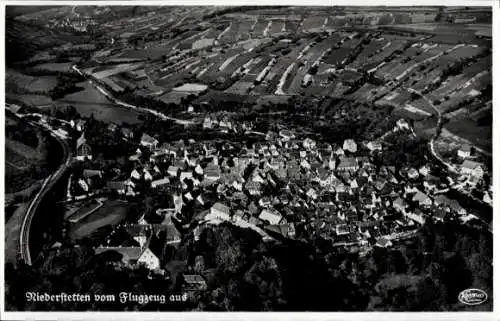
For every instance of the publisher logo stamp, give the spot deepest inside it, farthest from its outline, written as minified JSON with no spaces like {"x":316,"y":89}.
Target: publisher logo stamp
{"x":472,"y":296}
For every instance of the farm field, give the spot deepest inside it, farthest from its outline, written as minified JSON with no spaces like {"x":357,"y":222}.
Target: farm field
{"x":22,"y":159}
{"x":55,"y":66}
{"x":21,"y":83}
{"x":31,"y":100}
{"x":111,"y":213}
{"x":100,"y":73}
{"x":469,"y":130}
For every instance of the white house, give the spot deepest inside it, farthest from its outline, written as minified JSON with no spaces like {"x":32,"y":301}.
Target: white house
{"x":347,"y":164}
{"x":148,"y":141}
{"x":160,"y":182}
{"x":412,"y":173}
{"x":219,"y":211}
{"x":350,"y":145}
{"x":373,"y":146}
{"x":147,"y":175}
{"x":464,"y":151}
{"x":83,"y":150}
{"x":149,"y":259}
{"x":402,"y":124}
{"x":172,"y":170}
{"x":135,"y":174}
{"x":271,"y":216}
{"x":472,"y":168}
{"x":422,"y":199}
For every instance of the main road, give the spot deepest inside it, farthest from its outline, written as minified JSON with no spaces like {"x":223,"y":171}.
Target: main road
{"x":48,"y":183}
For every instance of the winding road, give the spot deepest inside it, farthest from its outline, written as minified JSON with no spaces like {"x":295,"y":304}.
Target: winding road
{"x":35,"y":202}
{"x":449,"y":166}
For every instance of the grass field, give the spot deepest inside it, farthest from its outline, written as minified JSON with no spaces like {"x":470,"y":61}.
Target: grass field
{"x":55,"y":66}
{"x":22,"y":159}
{"x":90,"y":101}
{"x":100,"y":73}
{"x":30,"y":100}
{"x":468,"y":129}
{"x":111,"y":213}
{"x":18,"y":82}
{"x":20,"y":166}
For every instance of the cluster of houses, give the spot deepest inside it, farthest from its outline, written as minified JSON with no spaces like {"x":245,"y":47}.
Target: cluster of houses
{"x":275,"y":185}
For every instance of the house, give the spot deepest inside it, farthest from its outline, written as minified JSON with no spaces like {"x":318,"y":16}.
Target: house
{"x":194,"y":282}
{"x":186,"y":175}
{"x":342,"y":229}
{"x":80,"y":125}
{"x":219,"y":211}
{"x":347,"y":164}
{"x":147,"y":175}
{"x":305,"y":164}
{"x":265,"y":201}
{"x":271,"y":216}
{"x":350,"y":145}
{"x":173,"y":170}
{"x":416,"y":216}
{"x":253,"y":188}
{"x":148,"y":141}
{"x":90,"y":173}
{"x":424,"y":170}
{"x":160,"y":182}
{"x":402,"y":124}
{"x":149,"y":259}
{"x":449,"y":204}
{"x":212,"y":172}
{"x":135,"y":174}
{"x":112,"y":127}
{"x":472,"y":168}
{"x":422,"y":199}
{"x":127,"y":133}
{"x":117,"y":186}
{"x":412,"y":173}
{"x":130,"y":254}
{"x":207,"y":123}
{"x":308,"y":143}
{"x":286,"y":135}
{"x":439,"y":215}
{"x":225,"y":123}
{"x":311,"y":193}
{"x":324,"y":177}
{"x":487,"y":198}
{"x":464,"y":151}
{"x":383,"y":242}
{"x":83,"y":150}
{"x":399,"y":205}
{"x":374,"y":146}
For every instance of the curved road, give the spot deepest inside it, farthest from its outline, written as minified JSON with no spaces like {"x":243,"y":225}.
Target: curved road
{"x":450,"y":167}
{"x":47,"y":185}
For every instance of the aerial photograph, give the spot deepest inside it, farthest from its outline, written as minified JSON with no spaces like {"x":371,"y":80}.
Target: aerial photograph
{"x":248,"y":158}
